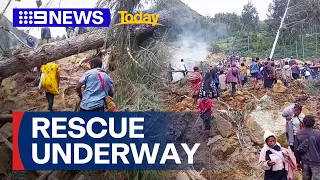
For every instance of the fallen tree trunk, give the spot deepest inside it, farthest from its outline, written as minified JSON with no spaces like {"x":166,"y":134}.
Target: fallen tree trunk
{"x":50,"y":52}
{"x":4,"y":118}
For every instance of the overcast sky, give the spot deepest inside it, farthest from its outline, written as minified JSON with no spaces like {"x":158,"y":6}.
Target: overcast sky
{"x":201,"y":6}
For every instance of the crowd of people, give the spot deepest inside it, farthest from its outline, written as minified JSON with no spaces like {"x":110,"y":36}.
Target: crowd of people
{"x":303,"y":140}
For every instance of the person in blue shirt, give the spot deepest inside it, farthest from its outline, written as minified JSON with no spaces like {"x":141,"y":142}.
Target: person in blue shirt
{"x":254,"y":71}
{"x":94,"y":96}
{"x":292,"y":60}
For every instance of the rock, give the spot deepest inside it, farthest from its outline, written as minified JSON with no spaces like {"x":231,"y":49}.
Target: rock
{"x":5,"y":154}
{"x":279,"y":87}
{"x":257,"y":122}
{"x":224,"y":127}
{"x":224,"y":148}
{"x":182,"y":176}
{"x":226,"y":94}
{"x":214,"y":139}
{"x":240,"y":99}
{"x":239,"y":93}
{"x":265,"y":101}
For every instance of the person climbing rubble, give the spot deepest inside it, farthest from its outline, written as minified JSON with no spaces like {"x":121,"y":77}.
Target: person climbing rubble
{"x":277,"y":162}
{"x":98,"y":87}
{"x":205,"y":107}
{"x":195,"y":80}
{"x":49,"y":82}
{"x":308,"y":150}
{"x":233,"y":78}
{"x":294,"y":116}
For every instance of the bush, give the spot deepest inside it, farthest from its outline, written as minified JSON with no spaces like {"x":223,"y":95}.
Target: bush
{"x":314,"y":86}
{"x":214,"y":48}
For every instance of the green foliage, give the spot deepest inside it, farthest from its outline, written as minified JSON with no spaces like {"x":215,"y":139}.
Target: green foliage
{"x":214,"y":48}
{"x":314,"y":86}
{"x":249,"y":18}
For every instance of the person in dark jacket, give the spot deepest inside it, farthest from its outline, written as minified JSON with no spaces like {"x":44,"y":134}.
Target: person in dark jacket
{"x":310,"y":159}
{"x":45,"y":34}
{"x":295,"y":70}
{"x":208,"y":86}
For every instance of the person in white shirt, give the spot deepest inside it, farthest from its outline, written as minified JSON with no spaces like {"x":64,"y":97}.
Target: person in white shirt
{"x":183,"y":68}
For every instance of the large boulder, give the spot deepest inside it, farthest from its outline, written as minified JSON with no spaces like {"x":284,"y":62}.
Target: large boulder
{"x":223,"y":148}
{"x":257,"y":122}
{"x":224,"y":127}
{"x":279,"y":87}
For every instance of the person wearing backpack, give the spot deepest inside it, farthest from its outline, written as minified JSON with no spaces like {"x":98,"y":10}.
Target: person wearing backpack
{"x":233,"y":78}
{"x":307,"y":149}
{"x":97,"y":83}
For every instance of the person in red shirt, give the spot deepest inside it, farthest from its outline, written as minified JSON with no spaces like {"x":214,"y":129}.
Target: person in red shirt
{"x":205,"y":107}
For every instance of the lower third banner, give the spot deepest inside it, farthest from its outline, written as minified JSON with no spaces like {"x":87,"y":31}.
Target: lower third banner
{"x":103,"y":141}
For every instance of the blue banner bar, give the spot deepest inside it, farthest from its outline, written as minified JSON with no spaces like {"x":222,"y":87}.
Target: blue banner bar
{"x":61,"y":17}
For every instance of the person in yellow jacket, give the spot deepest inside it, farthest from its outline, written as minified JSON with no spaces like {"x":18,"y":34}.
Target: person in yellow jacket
{"x":243,"y":74}
{"x":50,"y":82}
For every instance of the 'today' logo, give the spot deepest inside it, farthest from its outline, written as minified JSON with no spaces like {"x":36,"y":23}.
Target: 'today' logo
{"x":127,"y":18}
{"x":61,"y":17}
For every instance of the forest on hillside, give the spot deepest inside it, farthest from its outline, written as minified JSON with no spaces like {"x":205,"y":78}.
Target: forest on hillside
{"x":248,"y":36}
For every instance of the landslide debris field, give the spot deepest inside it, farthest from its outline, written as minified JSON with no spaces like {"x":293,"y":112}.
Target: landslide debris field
{"x":232,"y":152}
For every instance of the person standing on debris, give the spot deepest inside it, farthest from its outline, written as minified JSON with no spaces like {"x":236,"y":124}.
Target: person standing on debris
{"x":308,"y":150}
{"x":292,"y":61}
{"x":233,"y":78}
{"x":216,"y":80}
{"x":295,"y":70}
{"x":183,"y":68}
{"x":205,"y":107}
{"x":50,"y":82}
{"x":195,"y":80}
{"x":267,"y":77}
{"x":286,"y":74}
{"x":170,"y":69}
{"x":45,"y":35}
{"x":208,"y":86}
{"x":273,"y":159}
{"x":94,"y":96}
{"x":294,"y":117}
{"x":274,"y":72}
{"x":254,"y":70}
{"x":243,"y":74}
{"x":222,"y":80}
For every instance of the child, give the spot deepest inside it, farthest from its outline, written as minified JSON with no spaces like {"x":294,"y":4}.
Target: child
{"x":222,"y":80}
{"x":205,"y":108}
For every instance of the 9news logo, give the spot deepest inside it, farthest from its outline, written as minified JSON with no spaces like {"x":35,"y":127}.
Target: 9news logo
{"x":61,"y":17}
